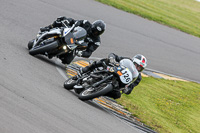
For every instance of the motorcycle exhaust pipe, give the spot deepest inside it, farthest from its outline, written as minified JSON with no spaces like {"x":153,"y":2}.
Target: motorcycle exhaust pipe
{"x":100,"y":82}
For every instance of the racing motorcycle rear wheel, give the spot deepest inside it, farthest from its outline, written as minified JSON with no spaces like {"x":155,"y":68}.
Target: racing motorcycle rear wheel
{"x":90,"y":92}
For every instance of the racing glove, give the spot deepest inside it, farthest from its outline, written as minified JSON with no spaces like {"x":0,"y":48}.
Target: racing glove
{"x":112,"y":60}
{"x":127,"y":90}
{"x":58,"y":22}
{"x":61,"y":18}
{"x":47,"y":28}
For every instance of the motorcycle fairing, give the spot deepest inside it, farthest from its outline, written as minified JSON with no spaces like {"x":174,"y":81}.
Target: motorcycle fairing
{"x":51,"y":32}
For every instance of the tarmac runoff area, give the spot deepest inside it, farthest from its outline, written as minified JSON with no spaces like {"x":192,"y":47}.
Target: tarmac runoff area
{"x":111,"y":105}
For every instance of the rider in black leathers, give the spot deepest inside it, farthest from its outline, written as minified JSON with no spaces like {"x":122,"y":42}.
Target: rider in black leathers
{"x":139,"y":61}
{"x":94,"y":31}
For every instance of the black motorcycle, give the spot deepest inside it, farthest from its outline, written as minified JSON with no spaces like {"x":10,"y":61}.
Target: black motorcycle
{"x":102,"y":80}
{"x":58,"y":41}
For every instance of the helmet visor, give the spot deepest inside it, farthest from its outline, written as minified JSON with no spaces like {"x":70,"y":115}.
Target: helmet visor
{"x":139,"y":67}
{"x":97,"y":30}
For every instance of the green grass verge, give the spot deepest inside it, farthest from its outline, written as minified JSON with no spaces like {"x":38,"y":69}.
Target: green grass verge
{"x":165,"y":105}
{"x":180,"y":14}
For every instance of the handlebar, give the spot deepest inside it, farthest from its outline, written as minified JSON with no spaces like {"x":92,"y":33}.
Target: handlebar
{"x":63,"y":22}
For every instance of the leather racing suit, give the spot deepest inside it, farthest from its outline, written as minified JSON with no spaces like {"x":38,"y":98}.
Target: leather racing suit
{"x":92,"y":41}
{"x":114,"y":94}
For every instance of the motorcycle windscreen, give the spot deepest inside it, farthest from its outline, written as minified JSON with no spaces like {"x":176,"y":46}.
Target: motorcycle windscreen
{"x":69,"y":38}
{"x":129,"y":64}
{"x":79,"y":33}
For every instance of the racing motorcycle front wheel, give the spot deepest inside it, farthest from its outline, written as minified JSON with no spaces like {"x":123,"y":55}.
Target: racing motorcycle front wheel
{"x":44,"y":48}
{"x":90,"y":92}
{"x":69,"y":84}
{"x":30,"y":44}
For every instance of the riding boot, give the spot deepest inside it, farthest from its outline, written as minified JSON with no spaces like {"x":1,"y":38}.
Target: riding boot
{"x":91,"y":67}
{"x":47,"y":28}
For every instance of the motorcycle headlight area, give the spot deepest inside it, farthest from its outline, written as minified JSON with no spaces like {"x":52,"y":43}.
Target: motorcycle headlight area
{"x":64,"y":47}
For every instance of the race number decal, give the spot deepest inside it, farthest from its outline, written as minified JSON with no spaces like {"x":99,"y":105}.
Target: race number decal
{"x":126,"y":76}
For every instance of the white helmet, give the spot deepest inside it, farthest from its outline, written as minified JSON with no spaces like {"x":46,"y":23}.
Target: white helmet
{"x":141,"y":61}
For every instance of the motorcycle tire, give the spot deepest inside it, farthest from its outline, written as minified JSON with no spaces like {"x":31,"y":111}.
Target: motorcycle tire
{"x":43,"y":49}
{"x":87,"y":94}
{"x":69,"y":84}
{"x":30,"y":44}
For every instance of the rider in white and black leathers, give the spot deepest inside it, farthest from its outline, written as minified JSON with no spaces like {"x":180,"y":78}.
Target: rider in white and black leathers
{"x":94,"y":31}
{"x":140,"y":63}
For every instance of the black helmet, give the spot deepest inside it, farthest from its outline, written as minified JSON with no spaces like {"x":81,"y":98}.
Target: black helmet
{"x":98,"y":27}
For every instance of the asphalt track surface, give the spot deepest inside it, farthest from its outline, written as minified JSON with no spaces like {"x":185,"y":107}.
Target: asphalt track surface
{"x":32,"y":97}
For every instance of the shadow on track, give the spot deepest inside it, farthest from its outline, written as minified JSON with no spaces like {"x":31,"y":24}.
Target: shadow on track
{"x":50,"y":61}
{"x":89,"y":102}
